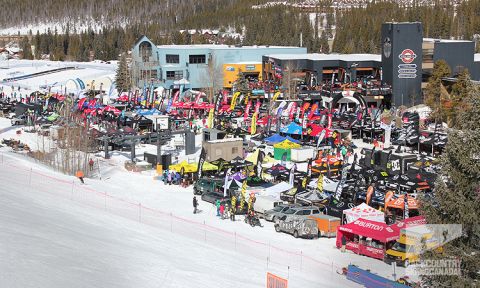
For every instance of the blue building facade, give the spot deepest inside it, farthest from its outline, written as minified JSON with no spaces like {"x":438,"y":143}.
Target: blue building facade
{"x":193,"y":66}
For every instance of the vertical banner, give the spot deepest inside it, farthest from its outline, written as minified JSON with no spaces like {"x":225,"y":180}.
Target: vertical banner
{"x":203,"y":155}
{"x":405,"y":201}
{"x":292,"y":111}
{"x":291,"y":177}
{"x":234,"y":100}
{"x":257,"y":106}
{"x":321,"y":136}
{"x":320,"y":183}
{"x":210,"y":118}
{"x":260,"y":157}
{"x":227,"y":182}
{"x":247,"y":110}
{"x":313,"y":110}
{"x":338,"y":190}
{"x":253,"y":128}
{"x":304,"y":109}
{"x":309,"y":168}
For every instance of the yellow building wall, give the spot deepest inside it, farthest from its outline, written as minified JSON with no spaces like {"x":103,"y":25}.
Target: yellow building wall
{"x":231,"y":71}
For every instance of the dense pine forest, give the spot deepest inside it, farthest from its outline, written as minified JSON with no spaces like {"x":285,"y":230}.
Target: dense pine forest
{"x":120,"y":23}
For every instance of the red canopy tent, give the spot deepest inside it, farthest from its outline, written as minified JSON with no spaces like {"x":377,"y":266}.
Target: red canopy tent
{"x":112,"y":109}
{"x":378,"y":231}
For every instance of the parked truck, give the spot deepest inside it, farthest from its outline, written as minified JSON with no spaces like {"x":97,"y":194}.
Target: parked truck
{"x":306,"y":228}
{"x":265,"y":203}
{"x":408,"y":248}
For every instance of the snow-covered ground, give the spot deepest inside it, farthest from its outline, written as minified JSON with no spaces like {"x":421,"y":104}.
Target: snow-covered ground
{"x":131,"y":229}
{"x":86,"y":71}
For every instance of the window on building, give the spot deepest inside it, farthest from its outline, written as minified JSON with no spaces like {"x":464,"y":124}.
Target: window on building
{"x":145,"y":51}
{"x":218,"y":152}
{"x":174,"y":75}
{"x":234,"y":150}
{"x":149,"y":74}
{"x":172,"y":58}
{"x":197,"y":59}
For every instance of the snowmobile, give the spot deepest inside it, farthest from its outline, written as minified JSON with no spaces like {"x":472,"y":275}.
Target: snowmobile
{"x":253,"y":220}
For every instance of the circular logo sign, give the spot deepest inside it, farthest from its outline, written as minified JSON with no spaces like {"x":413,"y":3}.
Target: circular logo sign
{"x":407,"y":56}
{"x":387,"y":47}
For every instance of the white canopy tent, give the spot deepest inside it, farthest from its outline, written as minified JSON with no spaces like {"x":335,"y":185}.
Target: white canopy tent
{"x":365,"y":212}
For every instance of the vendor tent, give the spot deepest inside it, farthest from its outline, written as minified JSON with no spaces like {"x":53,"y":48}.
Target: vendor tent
{"x":276,"y":170}
{"x":278,"y":138}
{"x":365,"y":212}
{"x":275,"y":190}
{"x":253,"y":157}
{"x":292,"y":129}
{"x":311,"y":197}
{"x":371,"y":229}
{"x":399,"y":203}
{"x":187,"y":168}
{"x":282,"y":150}
{"x":275,"y":138}
{"x":208,"y":167}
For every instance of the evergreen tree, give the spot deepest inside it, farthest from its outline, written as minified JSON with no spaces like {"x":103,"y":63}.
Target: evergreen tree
{"x":460,"y":91}
{"x":435,"y":93}
{"x":323,"y":43}
{"x":123,"y":79}
{"x":26,"y":48}
{"x":457,"y":198}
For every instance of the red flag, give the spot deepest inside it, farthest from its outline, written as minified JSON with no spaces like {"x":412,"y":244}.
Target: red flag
{"x":257,"y":107}
{"x":247,"y":109}
{"x":329,"y":125}
{"x":80,"y":103}
{"x":313,"y":110}
{"x":293,"y":109}
{"x":304,"y":108}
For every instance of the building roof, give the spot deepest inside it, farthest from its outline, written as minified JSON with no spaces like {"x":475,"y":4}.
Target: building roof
{"x":326,"y":57}
{"x":432,"y":40}
{"x":221,"y":47}
{"x":244,"y":63}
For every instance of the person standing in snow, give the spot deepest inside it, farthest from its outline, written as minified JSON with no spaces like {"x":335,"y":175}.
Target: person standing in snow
{"x":90,"y":164}
{"x":217,"y":204}
{"x":222,"y":210}
{"x":195,"y":205}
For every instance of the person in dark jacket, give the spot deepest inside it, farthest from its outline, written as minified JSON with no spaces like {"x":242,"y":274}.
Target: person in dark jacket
{"x":344,"y":243}
{"x":195,"y":205}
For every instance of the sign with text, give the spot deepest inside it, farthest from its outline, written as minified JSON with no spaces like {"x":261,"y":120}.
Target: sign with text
{"x":273,"y":281}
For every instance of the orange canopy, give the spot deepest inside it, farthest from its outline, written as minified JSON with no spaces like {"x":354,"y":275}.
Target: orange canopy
{"x":400,"y":203}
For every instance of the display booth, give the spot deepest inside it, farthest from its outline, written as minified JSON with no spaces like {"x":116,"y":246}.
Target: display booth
{"x":371,"y":238}
{"x":282,"y":151}
{"x":365,"y":212}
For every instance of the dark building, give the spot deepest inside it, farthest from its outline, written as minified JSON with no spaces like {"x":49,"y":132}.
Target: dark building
{"x":459,"y":55}
{"x":402,"y":61}
{"x":359,"y":72}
